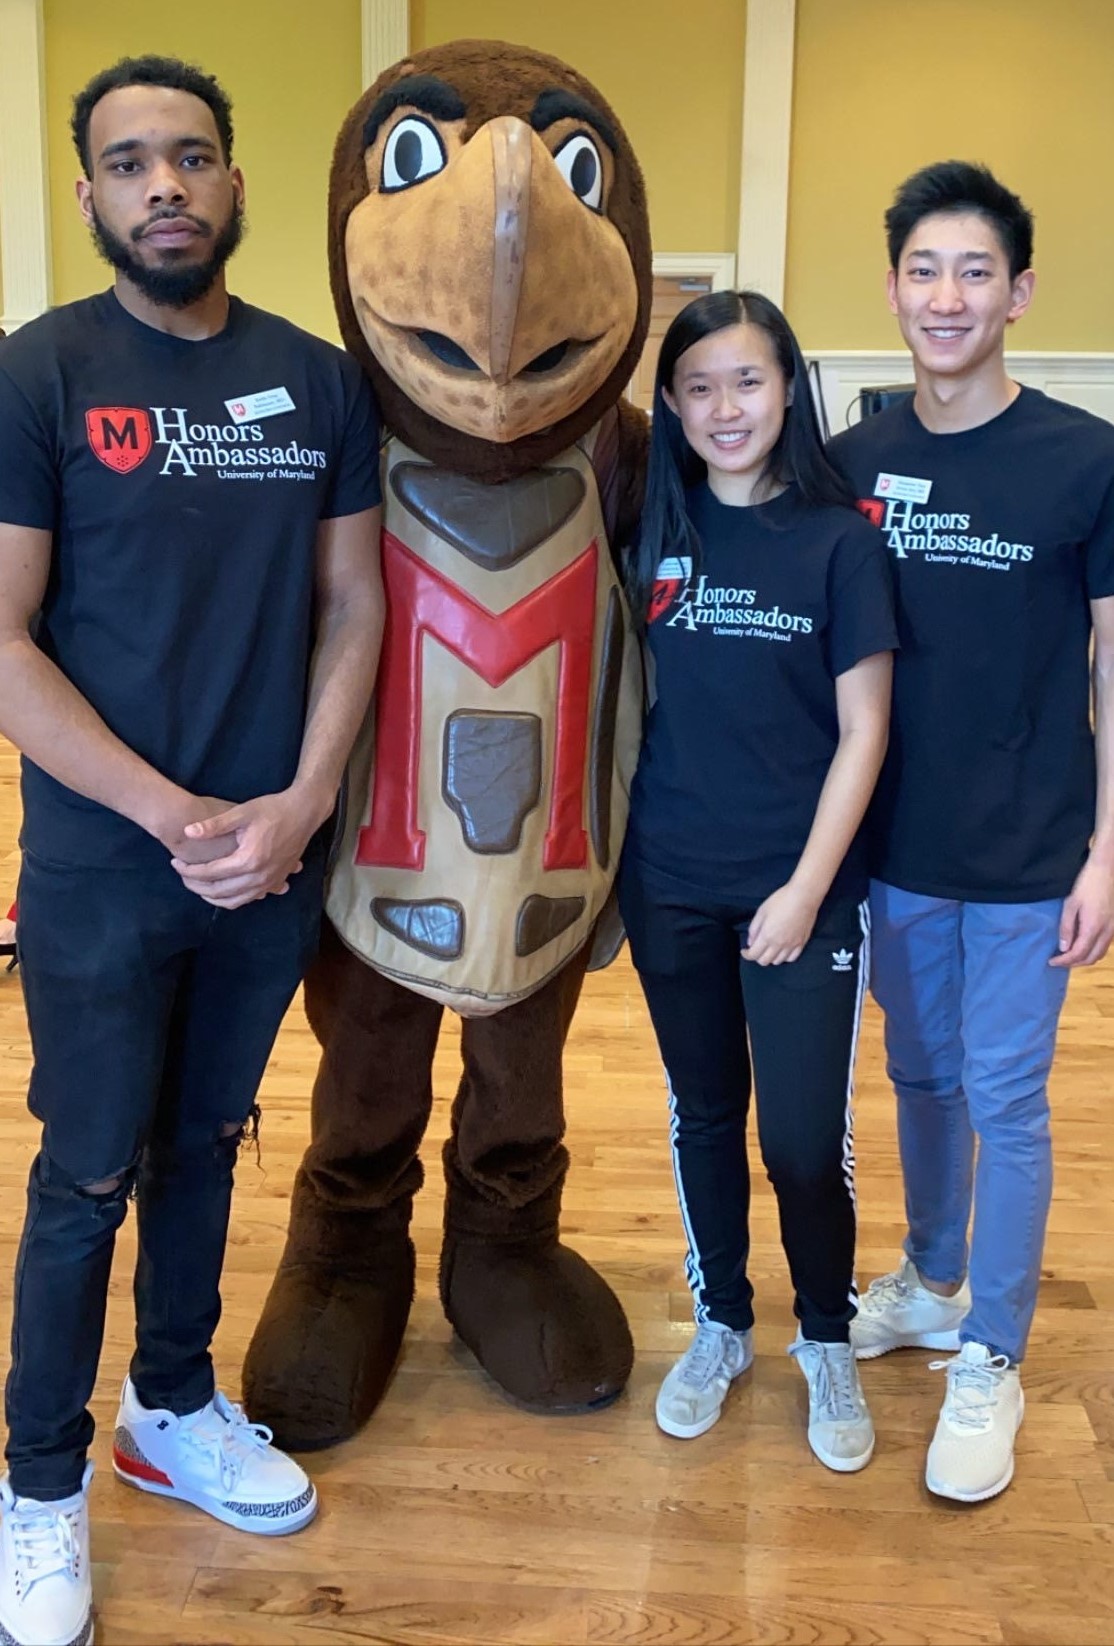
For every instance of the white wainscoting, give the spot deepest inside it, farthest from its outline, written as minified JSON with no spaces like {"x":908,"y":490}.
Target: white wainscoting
{"x":1085,"y":380}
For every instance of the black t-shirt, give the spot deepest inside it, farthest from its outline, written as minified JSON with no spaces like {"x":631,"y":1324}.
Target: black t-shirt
{"x":183,"y":482}
{"x":999,"y":536}
{"x":745,"y":655}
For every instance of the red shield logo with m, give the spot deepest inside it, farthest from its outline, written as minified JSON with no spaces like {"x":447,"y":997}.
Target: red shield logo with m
{"x":672,"y":574}
{"x":662,"y":597}
{"x":119,"y":435}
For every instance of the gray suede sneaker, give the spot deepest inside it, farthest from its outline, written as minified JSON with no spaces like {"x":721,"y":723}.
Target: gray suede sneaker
{"x":840,"y":1430}
{"x":692,"y":1396}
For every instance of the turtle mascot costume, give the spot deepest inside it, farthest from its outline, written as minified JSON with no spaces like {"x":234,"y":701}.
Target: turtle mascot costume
{"x":489,"y":250}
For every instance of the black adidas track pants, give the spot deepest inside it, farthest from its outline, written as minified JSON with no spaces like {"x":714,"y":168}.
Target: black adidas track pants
{"x":802,"y":1023}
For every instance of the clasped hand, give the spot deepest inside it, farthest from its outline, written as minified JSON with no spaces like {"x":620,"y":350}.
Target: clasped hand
{"x":238,"y":854}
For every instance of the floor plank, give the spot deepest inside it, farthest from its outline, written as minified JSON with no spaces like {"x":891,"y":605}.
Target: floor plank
{"x":456,"y":1519}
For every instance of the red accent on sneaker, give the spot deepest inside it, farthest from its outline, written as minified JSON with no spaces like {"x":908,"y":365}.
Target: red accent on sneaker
{"x":143,"y":1471}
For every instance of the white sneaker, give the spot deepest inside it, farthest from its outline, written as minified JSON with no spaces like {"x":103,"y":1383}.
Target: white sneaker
{"x":840,"y":1430}
{"x":971,"y":1455}
{"x":216,"y":1460}
{"x":692,"y":1395}
{"x":897,"y":1312}
{"x":46,"y":1589}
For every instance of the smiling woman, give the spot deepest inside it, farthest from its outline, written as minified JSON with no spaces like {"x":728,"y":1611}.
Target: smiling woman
{"x":744,"y":871}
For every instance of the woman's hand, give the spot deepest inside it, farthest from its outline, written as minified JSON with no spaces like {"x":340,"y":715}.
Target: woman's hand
{"x":781,"y":927}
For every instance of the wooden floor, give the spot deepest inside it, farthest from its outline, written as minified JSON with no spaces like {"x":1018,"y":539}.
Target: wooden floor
{"x":456,"y":1518}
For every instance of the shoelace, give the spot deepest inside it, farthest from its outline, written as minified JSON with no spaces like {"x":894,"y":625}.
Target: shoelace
{"x":886,"y":1289}
{"x":704,"y":1358}
{"x":832,"y":1375}
{"x":972,"y":1390}
{"x":234,"y":1443}
{"x":44,"y":1542}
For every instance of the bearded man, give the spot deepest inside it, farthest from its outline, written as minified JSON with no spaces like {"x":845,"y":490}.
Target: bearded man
{"x":190,"y":615}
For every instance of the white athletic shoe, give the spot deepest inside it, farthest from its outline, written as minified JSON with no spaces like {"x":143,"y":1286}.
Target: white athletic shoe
{"x":897,"y":1312}
{"x":692,"y":1395}
{"x":971,"y":1455}
{"x":840,"y":1430}
{"x":46,"y":1588}
{"x":216,"y":1460}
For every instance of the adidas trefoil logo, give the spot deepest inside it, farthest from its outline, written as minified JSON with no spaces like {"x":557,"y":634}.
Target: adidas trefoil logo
{"x":841,"y":960}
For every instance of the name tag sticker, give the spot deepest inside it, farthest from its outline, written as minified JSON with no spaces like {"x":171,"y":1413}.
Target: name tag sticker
{"x":904,"y":487}
{"x":249,"y":408}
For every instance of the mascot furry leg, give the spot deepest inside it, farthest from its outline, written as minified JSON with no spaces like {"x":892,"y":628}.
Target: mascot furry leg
{"x":541,"y":1321}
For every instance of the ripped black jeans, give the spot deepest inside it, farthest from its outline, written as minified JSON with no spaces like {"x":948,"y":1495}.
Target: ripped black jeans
{"x":152,"y":1016}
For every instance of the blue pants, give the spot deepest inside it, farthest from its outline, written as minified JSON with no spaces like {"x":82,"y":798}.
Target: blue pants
{"x":152,"y":1016}
{"x":972,"y":1008}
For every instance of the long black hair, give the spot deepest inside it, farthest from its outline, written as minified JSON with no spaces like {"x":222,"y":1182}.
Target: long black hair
{"x":797,"y":457}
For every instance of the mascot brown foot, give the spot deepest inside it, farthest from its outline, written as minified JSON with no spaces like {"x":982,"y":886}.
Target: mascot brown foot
{"x":539,"y":1319}
{"x":542,"y":1323}
{"x":332,"y":1327}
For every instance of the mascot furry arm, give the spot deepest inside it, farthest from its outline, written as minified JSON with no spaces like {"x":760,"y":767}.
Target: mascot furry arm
{"x":490,"y":260}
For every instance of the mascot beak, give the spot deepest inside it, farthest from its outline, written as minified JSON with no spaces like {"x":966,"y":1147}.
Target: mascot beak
{"x":512,"y":156}
{"x":492,"y":294}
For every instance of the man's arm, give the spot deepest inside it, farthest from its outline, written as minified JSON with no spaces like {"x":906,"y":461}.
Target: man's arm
{"x":1087,"y":922}
{"x":48,"y":719}
{"x":272,"y":831}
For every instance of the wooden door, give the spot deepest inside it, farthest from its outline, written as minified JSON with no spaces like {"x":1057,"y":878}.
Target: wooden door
{"x":671,"y":293}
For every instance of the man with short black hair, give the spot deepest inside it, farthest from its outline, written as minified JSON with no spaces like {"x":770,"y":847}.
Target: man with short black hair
{"x":993,"y":821}
{"x":189,"y":523}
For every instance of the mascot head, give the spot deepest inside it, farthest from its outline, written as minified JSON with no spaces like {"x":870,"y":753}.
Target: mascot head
{"x":489,"y":250}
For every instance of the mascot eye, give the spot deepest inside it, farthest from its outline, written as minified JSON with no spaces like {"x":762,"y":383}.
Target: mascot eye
{"x":413,"y":152}
{"x":578,"y":161}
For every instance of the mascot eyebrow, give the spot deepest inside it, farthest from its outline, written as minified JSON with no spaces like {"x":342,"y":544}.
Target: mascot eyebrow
{"x":556,"y":105}
{"x":419,"y":91}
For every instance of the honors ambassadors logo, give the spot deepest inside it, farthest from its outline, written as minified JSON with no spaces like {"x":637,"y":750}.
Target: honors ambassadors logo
{"x":679,"y":602}
{"x":122,"y":437}
{"x":119,"y":435}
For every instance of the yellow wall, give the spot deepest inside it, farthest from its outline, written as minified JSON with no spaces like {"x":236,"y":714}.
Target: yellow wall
{"x":671,"y":69}
{"x":885,"y":86}
{"x":291,"y":81}
{"x":881,"y":87}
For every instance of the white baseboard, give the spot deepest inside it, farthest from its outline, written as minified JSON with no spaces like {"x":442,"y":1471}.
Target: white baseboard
{"x":1085,"y":380}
